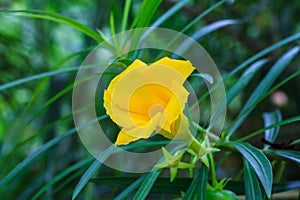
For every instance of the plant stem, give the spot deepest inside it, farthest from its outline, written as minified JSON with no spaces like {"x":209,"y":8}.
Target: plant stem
{"x":279,"y":171}
{"x":213,"y":170}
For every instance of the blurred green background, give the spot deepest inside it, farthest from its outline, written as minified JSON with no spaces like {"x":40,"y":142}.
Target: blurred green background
{"x":33,"y":46}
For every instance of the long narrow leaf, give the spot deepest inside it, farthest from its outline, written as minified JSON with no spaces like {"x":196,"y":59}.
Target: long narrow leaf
{"x":91,"y":170}
{"x":269,"y":119}
{"x":20,"y":167}
{"x":145,"y":13}
{"x":58,"y":18}
{"x":125,"y":193}
{"x":262,"y":53}
{"x":147,"y":184}
{"x":170,"y":12}
{"x":198,"y":186}
{"x":263,"y":87}
{"x":281,"y":123}
{"x":62,"y":175}
{"x":164,"y":186}
{"x":202,"y":32}
{"x":289,"y":154}
{"x":258,"y":162}
{"x":252,"y":188}
{"x":243,"y":81}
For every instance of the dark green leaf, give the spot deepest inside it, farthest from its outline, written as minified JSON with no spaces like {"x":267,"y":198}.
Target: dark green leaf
{"x":252,"y":188}
{"x":91,"y":170}
{"x":281,"y":123}
{"x":164,"y":186}
{"x":262,"y":53}
{"x":170,"y":12}
{"x":269,"y":119}
{"x":62,"y":175}
{"x":259,"y":163}
{"x":20,"y":167}
{"x":243,"y":81}
{"x":147,"y":184}
{"x":125,"y":193}
{"x":197,"y":189}
{"x":263,"y":87}
{"x":289,"y":154}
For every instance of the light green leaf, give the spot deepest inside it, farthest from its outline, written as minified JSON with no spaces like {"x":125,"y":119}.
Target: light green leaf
{"x":125,"y":15}
{"x":42,"y":14}
{"x":145,"y":13}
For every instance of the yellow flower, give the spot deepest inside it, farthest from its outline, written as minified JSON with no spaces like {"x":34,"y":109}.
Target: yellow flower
{"x":145,"y":99}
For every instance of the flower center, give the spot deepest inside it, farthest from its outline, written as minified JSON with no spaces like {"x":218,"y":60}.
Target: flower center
{"x":156,"y":108}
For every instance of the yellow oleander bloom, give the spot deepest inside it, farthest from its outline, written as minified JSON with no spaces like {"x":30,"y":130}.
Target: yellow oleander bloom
{"x":143,"y":99}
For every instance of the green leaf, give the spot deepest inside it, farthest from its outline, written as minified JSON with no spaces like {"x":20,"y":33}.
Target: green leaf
{"x":142,"y":19}
{"x":147,"y":184}
{"x":125,"y":15}
{"x":202,"y":32}
{"x":62,"y":175}
{"x":252,"y":188}
{"x":295,"y":142}
{"x":203,"y":14}
{"x":197,"y":189}
{"x":91,"y":170}
{"x":125,"y":193}
{"x":281,"y":123}
{"x":21,"y":166}
{"x":263,"y":87}
{"x":164,"y":186}
{"x":262,"y":53}
{"x":36,"y":77}
{"x":169,"y":13}
{"x":269,"y":119}
{"x":289,"y":154}
{"x":243,"y":81}
{"x":145,"y":13}
{"x":212,"y":27}
{"x":259,"y":163}
{"x":41,"y":14}
{"x":252,"y":59}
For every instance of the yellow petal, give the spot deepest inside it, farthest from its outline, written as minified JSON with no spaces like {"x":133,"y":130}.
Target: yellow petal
{"x":179,"y":129}
{"x":128,"y":135}
{"x":143,"y":99}
{"x":176,"y":105}
{"x":136,"y":64}
{"x":124,"y":138}
{"x":185,"y":68}
{"x":124,"y":118}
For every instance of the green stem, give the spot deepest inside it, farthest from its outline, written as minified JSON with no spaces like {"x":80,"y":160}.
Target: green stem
{"x":280,"y":172}
{"x":202,"y":130}
{"x":213,"y":170}
{"x":197,"y":147}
